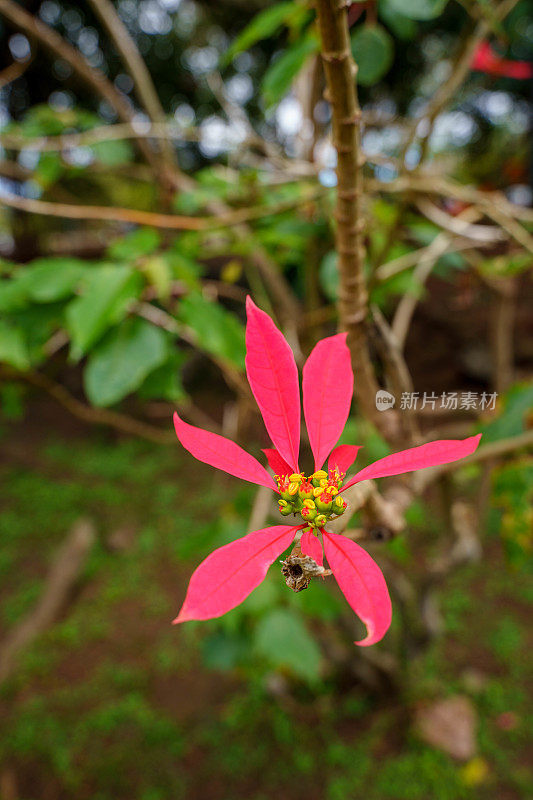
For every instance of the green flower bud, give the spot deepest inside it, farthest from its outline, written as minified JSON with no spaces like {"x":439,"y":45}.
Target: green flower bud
{"x":305,"y":490}
{"x":308,"y":511}
{"x":339,"y":505}
{"x":320,"y":520}
{"x":324,"y":501}
{"x":284,"y":508}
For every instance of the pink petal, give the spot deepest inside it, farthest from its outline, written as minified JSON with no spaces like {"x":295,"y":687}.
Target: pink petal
{"x":273,"y":379}
{"x":362,"y":583}
{"x":343,"y":457}
{"x":310,"y":546}
{"x":486,"y":60}
{"x":229,"y":574}
{"x":327,"y":391}
{"x":222,"y":453}
{"x":277,"y":464}
{"x":427,"y":455}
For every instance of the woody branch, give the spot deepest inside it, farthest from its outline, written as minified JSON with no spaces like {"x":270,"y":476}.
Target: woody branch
{"x":340,"y":71}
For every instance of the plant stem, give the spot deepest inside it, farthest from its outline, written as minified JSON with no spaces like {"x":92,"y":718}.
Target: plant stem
{"x":340,"y":71}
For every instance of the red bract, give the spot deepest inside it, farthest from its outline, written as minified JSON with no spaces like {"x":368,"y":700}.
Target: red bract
{"x":230,"y":573}
{"x":486,"y":60}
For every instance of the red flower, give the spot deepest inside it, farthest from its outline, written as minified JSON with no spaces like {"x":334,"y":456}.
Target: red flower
{"x":231,"y":572}
{"x":486,"y":60}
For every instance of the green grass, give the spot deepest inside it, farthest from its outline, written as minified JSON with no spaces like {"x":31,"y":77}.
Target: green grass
{"x":113,"y":702}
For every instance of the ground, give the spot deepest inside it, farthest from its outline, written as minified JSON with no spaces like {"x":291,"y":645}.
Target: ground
{"x":113,"y":702}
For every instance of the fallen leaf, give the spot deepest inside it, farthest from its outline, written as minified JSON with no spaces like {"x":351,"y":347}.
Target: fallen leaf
{"x":450,"y":726}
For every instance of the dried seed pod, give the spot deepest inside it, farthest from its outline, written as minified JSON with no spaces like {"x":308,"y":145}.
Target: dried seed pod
{"x":298,"y":570}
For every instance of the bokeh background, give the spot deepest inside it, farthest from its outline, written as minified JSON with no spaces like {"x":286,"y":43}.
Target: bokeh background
{"x":116,"y":119}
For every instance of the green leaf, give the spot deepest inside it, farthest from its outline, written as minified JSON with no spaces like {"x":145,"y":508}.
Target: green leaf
{"x":216,"y":330}
{"x":263,"y":25}
{"x":329,"y":275}
{"x":109,"y":291}
{"x":279,"y":76}
{"x":184,"y":268}
{"x":400,"y":25}
{"x":37,"y":323}
{"x":49,"y":169}
{"x":318,"y":602}
{"x":119,"y":365}
{"x":164,"y":383}
{"x":505,"y":265}
{"x":517,"y":404}
{"x":423,"y":231}
{"x":158,"y":273}
{"x":223,"y":650}
{"x":113,"y":153}
{"x":11,"y":400}
{"x":47,"y":280}
{"x":141,"y":242}
{"x":373,"y":51}
{"x":512,"y":491}
{"x":419,"y":9}
{"x":13,"y":348}
{"x":13,"y":295}
{"x":400,"y":284}
{"x":282,"y":639}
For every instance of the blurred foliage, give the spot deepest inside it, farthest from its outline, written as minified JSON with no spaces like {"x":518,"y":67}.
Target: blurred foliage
{"x":113,"y":679}
{"x":135,"y":311}
{"x":93,"y":302}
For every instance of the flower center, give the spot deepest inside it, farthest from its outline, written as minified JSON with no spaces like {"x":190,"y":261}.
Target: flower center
{"x":315,"y":499}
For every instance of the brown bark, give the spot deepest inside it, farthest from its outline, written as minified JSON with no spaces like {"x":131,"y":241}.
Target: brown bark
{"x":340,"y":71}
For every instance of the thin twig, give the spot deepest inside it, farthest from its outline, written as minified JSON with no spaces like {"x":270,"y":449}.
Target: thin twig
{"x":406,"y":306}
{"x":408,"y":260}
{"x":481,"y":234}
{"x":502,"y":329}
{"x":162,"y":319}
{"x":64,"y":573}
{"x":429,"y":183}
{"x":151,"y":218}
{"x":14,"y":71}
{"x":35,"y":28}
{"x":98,"y":416}
{"x":261,"y":508}
{"x":144,"y":86}
{"x":119,"y":131}
{"x":397,"y":371}
{"x":460,"y":69}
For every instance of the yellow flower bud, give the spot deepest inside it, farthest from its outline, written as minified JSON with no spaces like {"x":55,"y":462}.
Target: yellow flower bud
{"x":296,"y":477}
{"x":318,"y":476}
